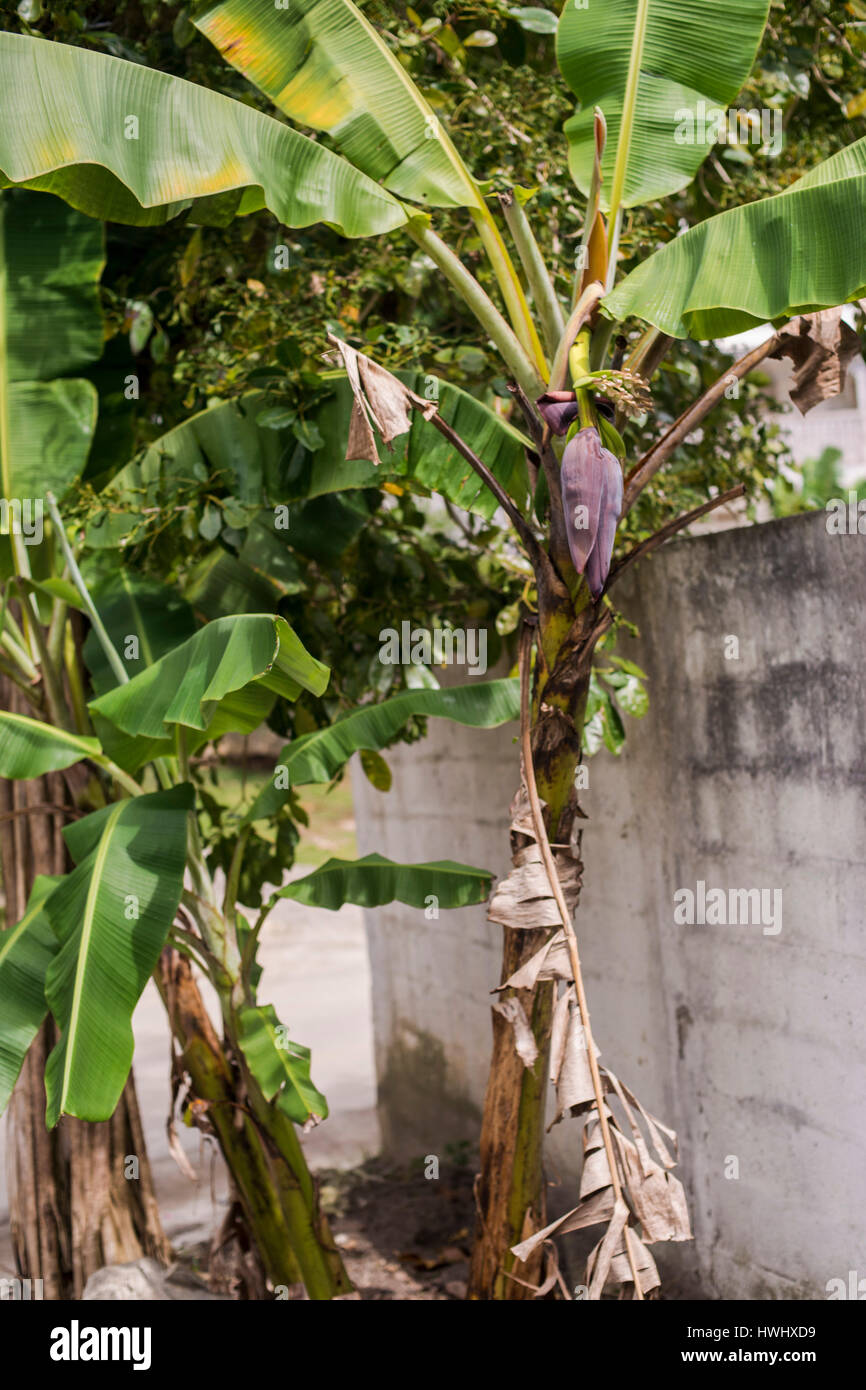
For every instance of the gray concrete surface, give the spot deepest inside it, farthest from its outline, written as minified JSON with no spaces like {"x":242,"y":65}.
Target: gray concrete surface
{"x":746,"y":773}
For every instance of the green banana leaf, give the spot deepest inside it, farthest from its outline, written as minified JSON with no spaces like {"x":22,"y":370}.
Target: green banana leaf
{"x":225,"y":442}
{"x":187,"y":685}
{"x":28,"y":748}
{"x":51,"y":259}
{"x":111,"y":916}
{"x":223,"y":583}
{"x":693,"y":51}
{"x":26,"y":951}
{"x":372,"y":881}
{"x":319,"y":756}
{"x":124,"y":143}
{"x":254,"y":460}
{"x":423,"y":456}
{"x":325,"y":66}
{"x":281,"y":1067}
{"x":133,"y":606}
{"x":793,"y":253}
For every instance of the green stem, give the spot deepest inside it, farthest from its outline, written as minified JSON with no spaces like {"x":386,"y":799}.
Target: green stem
{"x":54,"y":696}
{"x":538,"y":277}
{"x":510,"y":349}
{"x":578,"y":362}
{"x":57,"y":632}
{"x":105,"y":641}
{"x":19,"y":549}
{"x":76,"y":685}
{"x":16,"y":678}
{"x":628,"y":109}
{"x":123,"y":778}
{"x":509,"y":283}
{"x":613,"y":249}
{"x":230,"y":897}
{"x":17,"y":653}
{"x":182,"y":753}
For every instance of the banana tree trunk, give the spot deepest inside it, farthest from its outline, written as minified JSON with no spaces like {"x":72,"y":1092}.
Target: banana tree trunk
{"x":73,"y":1209}
{"x":275,"y":1189}
{"x":510,"y":1192}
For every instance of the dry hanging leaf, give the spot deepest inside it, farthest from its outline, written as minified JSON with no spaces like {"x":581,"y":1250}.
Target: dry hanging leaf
{"x":658,"y":1197}
{"x":523,"y":899}
{"x":590,"y":1213}
{"x":821,"y":347}
{"x":380,"y":399}
{"x":570,"y":1070}
{"x":551,"y":962}
{"x":177,"y":1152}
{"x":512,"y":1011}
{"x":619,"y":1271}
{"x":599,"y":1262}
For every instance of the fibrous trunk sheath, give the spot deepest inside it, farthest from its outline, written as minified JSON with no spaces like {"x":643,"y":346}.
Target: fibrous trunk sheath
{"x":510,"y":1190}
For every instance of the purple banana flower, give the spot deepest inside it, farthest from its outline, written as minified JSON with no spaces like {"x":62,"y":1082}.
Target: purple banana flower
{"x":558,"y":409}
{"x":592,"y":501}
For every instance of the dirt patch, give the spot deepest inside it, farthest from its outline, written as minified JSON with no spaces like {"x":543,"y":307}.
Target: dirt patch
{"x":403,"y":1235}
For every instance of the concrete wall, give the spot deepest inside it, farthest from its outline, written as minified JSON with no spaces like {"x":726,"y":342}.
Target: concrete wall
{"x":746,"y":773}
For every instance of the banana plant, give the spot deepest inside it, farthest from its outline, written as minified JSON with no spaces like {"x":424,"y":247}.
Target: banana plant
{"x":121,"y":717}
{"x":93,"y":130}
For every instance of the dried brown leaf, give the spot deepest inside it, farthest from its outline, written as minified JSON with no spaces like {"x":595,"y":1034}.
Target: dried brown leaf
{"x":551,"y":962}
{"x":598,"y":1208}
{"x":821,"y":347}
{"x":620,"y":1269}
{"x":657,"y":1197}
{"x":573,"y":1079}
{"x":599,"y":1261}
{"x":512,"y":1011}
{"x":380,"y":399}
{"x":523,"y":899}
{"x":177,"y":1152}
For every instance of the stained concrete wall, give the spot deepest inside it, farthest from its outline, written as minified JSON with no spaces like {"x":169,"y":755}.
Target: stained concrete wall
{"x":748,"y":772}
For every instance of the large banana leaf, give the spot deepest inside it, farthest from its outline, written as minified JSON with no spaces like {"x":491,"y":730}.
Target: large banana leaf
{"x":133,"y":606}
{"x":225,"y":443}
{"x":259,"y":463}
{"x":222,"y":584}
{"x":223,"y":659}
{"x":28,"y":748}
{"x":322,"y":63}
{"x":372,"y":881}
{"x":51,"y":259}
{"x":127,"y":144}
{"x":423,"y":455}
{"x":111,"y":916}
{"x":317,"y":757}
{"x":692,"y":51}
{"x":280,"y":1066}
{"x":26,"y":951}
{"x":793,"y":253}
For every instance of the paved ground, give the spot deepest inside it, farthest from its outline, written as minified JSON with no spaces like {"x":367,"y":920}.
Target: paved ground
{"x":317,"y":976}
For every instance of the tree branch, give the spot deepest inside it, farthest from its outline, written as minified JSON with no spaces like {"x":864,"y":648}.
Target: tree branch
{"x":665,"y":533}
{"x":521,"y":526}
{"x":661,"y":451}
